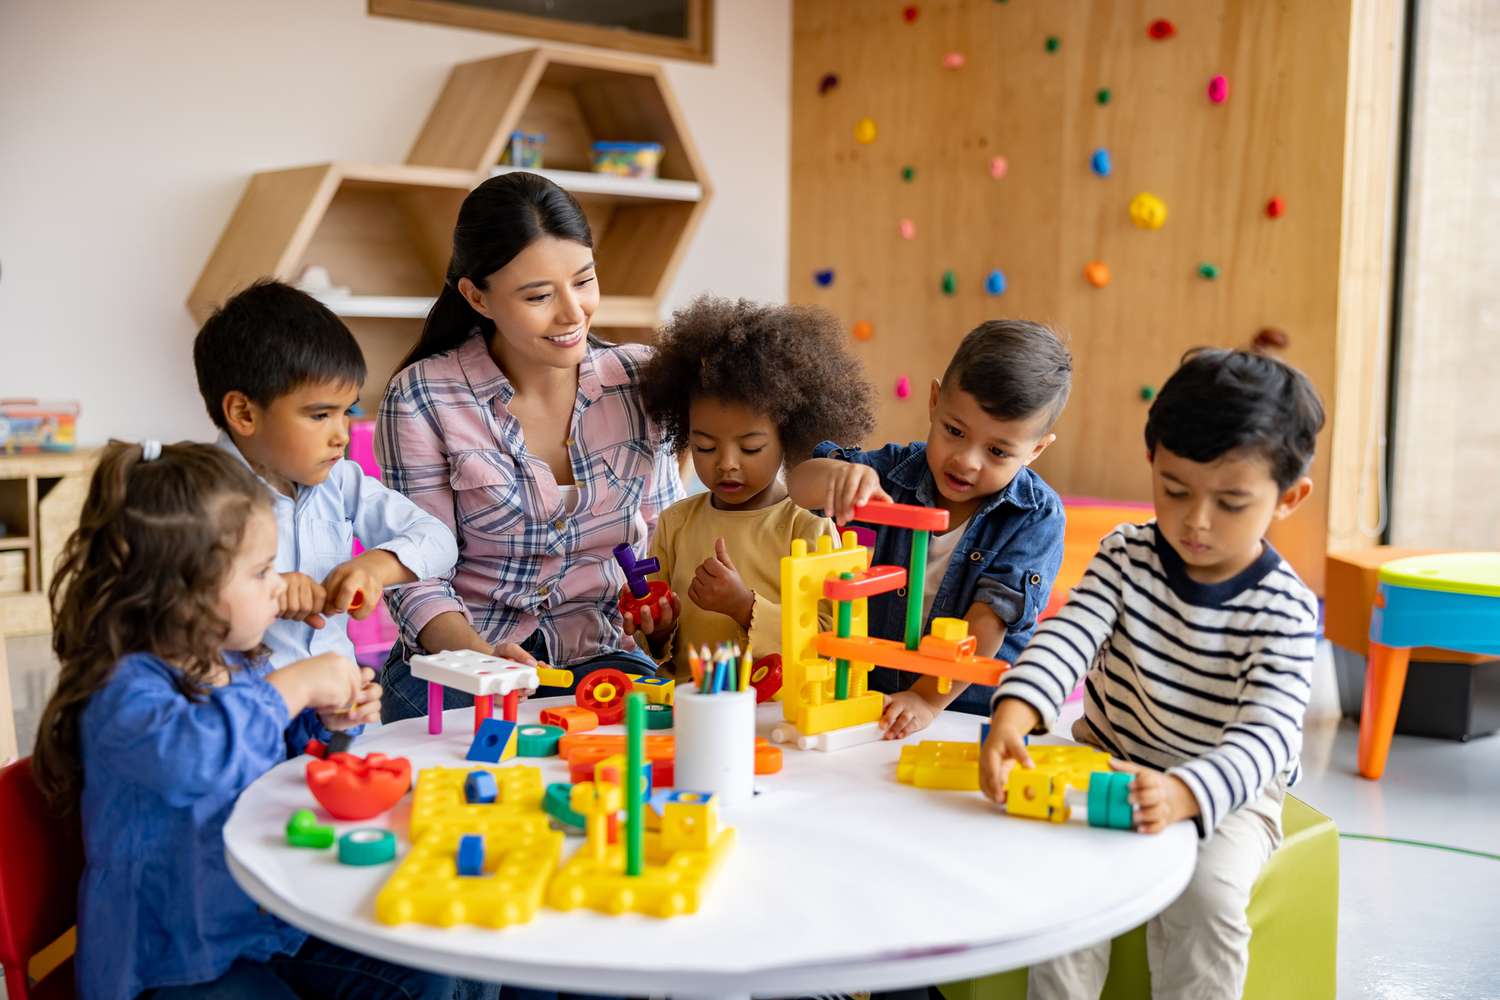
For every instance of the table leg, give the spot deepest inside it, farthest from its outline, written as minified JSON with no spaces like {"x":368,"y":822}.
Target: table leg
{"x":484,"y":707}
{"x":510,"y":706}
{"x":434,"y":709}
{"x":1385,"y":679}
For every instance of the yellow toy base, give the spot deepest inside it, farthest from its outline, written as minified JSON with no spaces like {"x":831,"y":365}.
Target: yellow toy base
{"x":519,"y":858}
{"x":439,"y":800}
{"x":671,"y":885}
{"x":942,"y":764}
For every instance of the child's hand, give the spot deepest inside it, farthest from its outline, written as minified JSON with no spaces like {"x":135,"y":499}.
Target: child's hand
{"x":302,"y":600}
{"x":657,"y":624}
{"x":906,"y":712}
{"x":850,"y":485}
{"x":366,"y":706}
{"x":1158,"y":799}
{"x":717,"y":587}
{"x":325,"y":682}
{"x":345,"y":582}
{"x":1006,"y":746}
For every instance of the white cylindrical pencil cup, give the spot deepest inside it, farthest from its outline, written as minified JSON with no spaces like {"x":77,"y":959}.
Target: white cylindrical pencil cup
{"x":715,"y":744}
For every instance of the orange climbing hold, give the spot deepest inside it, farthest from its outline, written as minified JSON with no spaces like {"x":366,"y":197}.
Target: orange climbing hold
{"x":1096,"y":273}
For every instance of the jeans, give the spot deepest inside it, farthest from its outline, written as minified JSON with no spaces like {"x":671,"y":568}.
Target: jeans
{"x":318,"y":970}
{"x":405,"y":696}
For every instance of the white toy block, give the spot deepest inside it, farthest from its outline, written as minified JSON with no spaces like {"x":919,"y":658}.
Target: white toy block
{"x":834,"y":739}
{"x":475,"y":673}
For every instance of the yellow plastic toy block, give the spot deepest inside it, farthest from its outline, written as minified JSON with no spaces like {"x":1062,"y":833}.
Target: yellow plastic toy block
{"x":941,"y":764}
{"x":554,"y":676}
{"x":1041,"y":792}
{"x":439,"y":800}
{"x":518,"y":861}
{"x":658,"y":690}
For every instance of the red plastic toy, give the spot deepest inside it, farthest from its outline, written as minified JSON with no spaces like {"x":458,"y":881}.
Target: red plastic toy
{"x":903,"y":515}
{"x":603,"y":693}
{"x":639,"y":592}
{"x":1161,"y":29}
{"x":353,"y":787}
{"x":765,"y":676}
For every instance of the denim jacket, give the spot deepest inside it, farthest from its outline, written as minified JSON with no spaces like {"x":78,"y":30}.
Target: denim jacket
{"x":1007,"y":558}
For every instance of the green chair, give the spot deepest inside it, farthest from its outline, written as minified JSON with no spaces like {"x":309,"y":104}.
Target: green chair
{"x":1294,"y":916}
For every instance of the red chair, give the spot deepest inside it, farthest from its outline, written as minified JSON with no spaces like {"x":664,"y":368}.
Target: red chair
{"x":41,"y":862}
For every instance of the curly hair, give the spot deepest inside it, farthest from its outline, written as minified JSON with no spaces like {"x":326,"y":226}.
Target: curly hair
{"x":141,"y":574}
{"x":790,"y":362}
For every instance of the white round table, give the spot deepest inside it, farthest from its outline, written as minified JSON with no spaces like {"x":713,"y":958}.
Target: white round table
{"x":842,"y":879}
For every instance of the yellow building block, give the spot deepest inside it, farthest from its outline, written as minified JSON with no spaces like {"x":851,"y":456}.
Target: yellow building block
{"x":950,"y":629}
{"x":854,"y":710}
{"x":518,"y":861}
{"x":1028,"y":792}
{"x":554,"y":676}
{"x":690,"y":822}
{"x":658,"y":690}
{"x":1041,"y":792}
{"x":940,"y":764}
{"x":439,"y":799}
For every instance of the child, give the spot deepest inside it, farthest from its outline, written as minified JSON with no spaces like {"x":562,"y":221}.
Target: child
{"x":991,"y":416}
{"x":745,"y":387}
{"x":279,"y":373}
{"x":1197,"y":641}
{"x":164,"y":713}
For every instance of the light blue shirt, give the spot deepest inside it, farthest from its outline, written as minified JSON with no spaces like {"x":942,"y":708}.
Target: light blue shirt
{"x":315,"y":532}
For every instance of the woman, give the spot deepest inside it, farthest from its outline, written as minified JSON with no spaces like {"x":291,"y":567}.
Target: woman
{"x":529,"y":440}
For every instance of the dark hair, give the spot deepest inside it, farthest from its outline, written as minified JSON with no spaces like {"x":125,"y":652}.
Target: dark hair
{"x":1220,"y":401}
{"x":269,"y":340}
{"x":1013,"y":368}
{"x":141,"y":574}
{"x":789,"y":362}
{"x":497,"y":220}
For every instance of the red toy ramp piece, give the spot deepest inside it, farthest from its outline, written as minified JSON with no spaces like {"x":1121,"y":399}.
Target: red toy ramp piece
{"x":873,"y":581}
{"x":903,"y":515}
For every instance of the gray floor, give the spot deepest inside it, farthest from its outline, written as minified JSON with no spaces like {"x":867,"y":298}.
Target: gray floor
{"x":1417,"y":921}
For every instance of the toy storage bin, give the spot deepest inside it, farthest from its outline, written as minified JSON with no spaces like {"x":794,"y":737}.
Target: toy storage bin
{"x":524,"y":149}
{"x":627,"y":159}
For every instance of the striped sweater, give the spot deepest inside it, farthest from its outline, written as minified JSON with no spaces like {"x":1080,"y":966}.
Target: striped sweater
{"x":1208,"y":682}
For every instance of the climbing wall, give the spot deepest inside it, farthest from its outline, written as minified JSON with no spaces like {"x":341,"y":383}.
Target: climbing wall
{"x":971,"y":159}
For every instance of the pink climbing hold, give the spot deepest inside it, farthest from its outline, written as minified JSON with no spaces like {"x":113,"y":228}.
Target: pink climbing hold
{"x":953,"y":60}
{"x":998,"y":167}
{"x":908,"y":229}
{"x":1218,"y":89}
{"x":903,"y":387}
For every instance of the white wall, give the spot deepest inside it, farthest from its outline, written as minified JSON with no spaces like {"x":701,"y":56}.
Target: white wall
{"x":127,"y":132}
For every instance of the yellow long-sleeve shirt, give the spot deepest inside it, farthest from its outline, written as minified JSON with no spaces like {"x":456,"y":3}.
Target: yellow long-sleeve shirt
{"x":756,"y":540}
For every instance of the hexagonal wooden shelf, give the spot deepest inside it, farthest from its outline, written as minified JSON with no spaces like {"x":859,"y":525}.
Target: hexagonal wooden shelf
{"x":385,"y":232}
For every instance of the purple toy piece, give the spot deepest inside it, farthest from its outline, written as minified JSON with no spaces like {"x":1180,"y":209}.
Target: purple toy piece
{"x":636,"y":569}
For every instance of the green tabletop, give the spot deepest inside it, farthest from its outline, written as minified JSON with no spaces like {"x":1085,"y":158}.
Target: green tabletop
{"x":1451,"y":572}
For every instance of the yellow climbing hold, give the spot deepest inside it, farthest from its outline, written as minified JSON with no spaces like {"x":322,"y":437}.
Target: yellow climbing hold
{"x":1148,"y":211}
{"x":864,"y":130}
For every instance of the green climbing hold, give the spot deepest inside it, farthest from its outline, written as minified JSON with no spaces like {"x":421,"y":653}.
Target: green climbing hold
{"x":1053,"y":43}
{"x":1148,"y":393}
{"x":950,"y":282}
{"x":908,"y":174}
{"x":1103,"y":95}
{"x":1208,"y":271}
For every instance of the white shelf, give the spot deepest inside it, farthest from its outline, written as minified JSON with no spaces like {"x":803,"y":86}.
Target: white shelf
{"x":585,"y":182}
{"x":377,"y":306}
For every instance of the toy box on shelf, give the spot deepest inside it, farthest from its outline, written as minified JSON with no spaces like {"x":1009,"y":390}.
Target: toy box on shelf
{"x":28,"y":426}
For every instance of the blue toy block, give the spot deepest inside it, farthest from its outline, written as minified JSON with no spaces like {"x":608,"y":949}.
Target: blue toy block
{"x":471,"y":854}
{"x":480,"y":788}
{"x":494,"y":741}
{"x":984,"y":732}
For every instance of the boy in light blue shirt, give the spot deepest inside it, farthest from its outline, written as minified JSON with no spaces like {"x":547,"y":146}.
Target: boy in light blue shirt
{"x":280,"y":373}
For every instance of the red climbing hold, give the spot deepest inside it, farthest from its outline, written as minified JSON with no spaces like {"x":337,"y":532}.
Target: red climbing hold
{"x":909,"y":13}
{"x":1161,"y":29}
{"x":1276,"y":208}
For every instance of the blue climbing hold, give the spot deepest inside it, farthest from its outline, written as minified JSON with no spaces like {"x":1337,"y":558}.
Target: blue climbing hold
{"x":824,"y":277}
{"x":1099,"y":162}
{"x":994,"y":283}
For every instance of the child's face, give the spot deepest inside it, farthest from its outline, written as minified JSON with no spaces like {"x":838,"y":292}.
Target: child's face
{"x":299,"y":436}
{"x":973,"y":455}
{"x":1214,"y":514}
{"x":542,"y":303}
{"x":248,"y":598}
{"x":736,"y":452}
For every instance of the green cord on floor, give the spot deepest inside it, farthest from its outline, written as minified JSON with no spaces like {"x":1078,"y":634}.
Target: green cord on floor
{"x":1420,"y":843}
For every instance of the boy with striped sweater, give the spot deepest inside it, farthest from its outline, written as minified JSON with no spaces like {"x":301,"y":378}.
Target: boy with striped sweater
{"x":1195,"y":642}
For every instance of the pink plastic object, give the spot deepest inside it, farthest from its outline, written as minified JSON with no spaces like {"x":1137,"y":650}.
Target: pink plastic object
{"x":1218,"y":89}
{"x":908,"y":229}
{"x":903,"y":387}
{"x":998,"y":167}
{"x":373,"y":637}
{"x":953,"y":60}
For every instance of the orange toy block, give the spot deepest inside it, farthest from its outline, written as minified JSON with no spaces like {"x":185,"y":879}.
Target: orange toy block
{"x":570,"y":718}
{"x":903,"y":515}
{"x":583,"y":752}
{"x":873,"y":581}
{"x":886,"y":653}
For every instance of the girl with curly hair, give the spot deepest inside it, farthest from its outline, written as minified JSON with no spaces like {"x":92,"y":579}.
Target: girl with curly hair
{"x":748,"y":389}
{"x":164,"y":712}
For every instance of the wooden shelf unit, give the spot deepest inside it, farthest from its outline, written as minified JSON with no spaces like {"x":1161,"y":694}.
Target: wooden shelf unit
{"x":41,"y":497}
{"x":385,"y":232}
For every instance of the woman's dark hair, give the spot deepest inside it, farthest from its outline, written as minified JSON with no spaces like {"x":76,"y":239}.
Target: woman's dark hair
{"x":499,"y":219}
{"x":789,"y":362}
{"x":1220,"y":401}
{"x":141,"y":574}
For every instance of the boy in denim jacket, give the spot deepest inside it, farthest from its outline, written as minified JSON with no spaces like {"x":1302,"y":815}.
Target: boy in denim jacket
{"x":991,"y":416}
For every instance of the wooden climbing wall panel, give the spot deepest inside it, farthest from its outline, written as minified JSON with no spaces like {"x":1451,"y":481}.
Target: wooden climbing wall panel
{"x":1281,"y":133}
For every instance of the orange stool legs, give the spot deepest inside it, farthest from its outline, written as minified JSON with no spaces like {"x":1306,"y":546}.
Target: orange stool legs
{"x":1385,"y":679}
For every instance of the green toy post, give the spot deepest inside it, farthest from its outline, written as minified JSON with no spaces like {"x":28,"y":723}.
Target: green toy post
{"x":635,"y":767}
{"x":916,"y":581}
{"x":846,"y":626}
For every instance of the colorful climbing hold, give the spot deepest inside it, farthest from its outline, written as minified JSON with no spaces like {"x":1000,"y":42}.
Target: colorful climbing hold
{"x":1161,"y":29}
{"x":903,"y":387}
{"x":909,"y":13}
{"x":1099,"y":163}
{"x":1096,"y":273}
{"x":953,"y":60}
{"x":994,"y":282}
{"x":999,"y":166}
{"x":908,"y":174}
{"x":1102,"y":95}
{"x":907,"y":229}
{"x":864,"y":130}
{"x":1148,"y":211}
{"x":1148,"y":393}
{"x":1218,"y":89}
{"x":1053,"y":43}
{"x":1270,"y":338}
{"x":1207,"y":270}
{"x":829,"y":81}
{"x":862,"y":330}
{"x":824,"y":278}
{"x":950,"y":283}
{"x":1276,"y":207}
